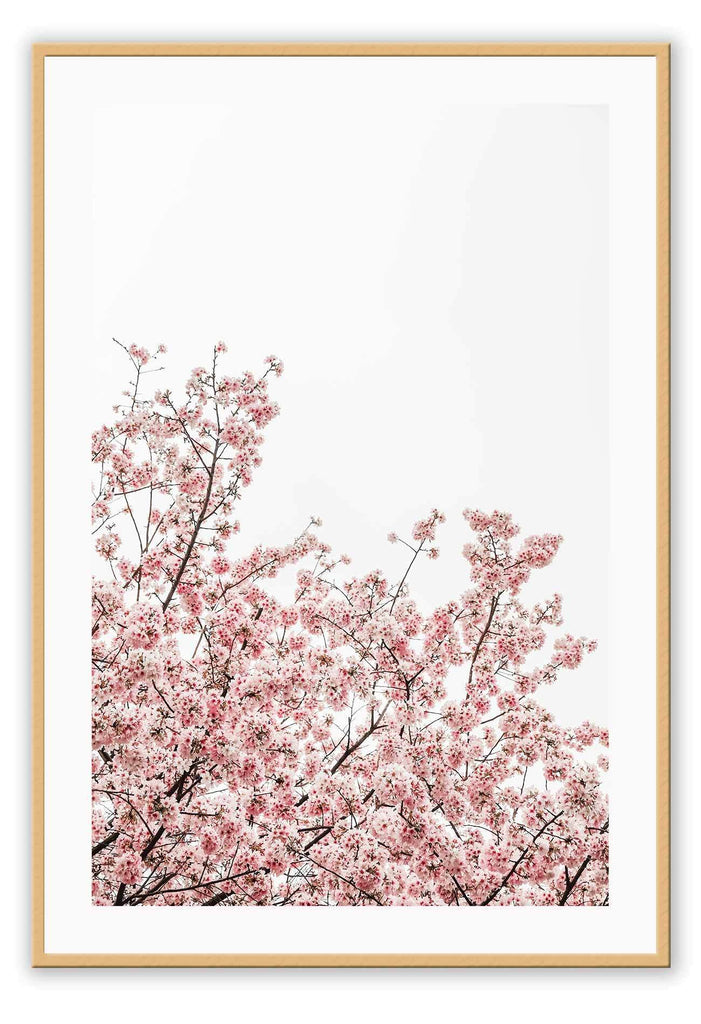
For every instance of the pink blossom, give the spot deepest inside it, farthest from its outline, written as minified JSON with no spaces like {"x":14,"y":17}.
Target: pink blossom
{"x":343,"y":745}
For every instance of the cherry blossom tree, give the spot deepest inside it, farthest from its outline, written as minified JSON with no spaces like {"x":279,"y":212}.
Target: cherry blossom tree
{"x":251,"y":750}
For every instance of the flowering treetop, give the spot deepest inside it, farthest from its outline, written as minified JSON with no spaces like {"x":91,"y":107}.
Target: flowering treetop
{"x":248,"y":750}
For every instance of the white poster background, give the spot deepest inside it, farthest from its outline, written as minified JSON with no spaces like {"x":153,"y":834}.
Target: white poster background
{"x":455,"y":259}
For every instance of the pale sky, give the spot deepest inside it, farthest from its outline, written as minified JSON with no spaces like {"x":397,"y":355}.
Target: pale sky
{"x":434,"y":275}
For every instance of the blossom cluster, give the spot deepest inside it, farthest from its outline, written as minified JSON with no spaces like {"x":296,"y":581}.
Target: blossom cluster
{"x":253,"y":751}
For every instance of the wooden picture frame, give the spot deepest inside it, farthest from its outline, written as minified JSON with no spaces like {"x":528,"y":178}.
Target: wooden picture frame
{"x":660,"y":956}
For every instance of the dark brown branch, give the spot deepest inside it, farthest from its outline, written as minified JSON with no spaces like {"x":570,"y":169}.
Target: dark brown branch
{"x":316,"y":839}
{"x":104,"y":843}
{"x":201,"y":518}
{"x":514,"y":867}
{"x":351,"y":750}
{"x":495,"y":602}
{"x":571,"y":882}
{"x":152,"y":841}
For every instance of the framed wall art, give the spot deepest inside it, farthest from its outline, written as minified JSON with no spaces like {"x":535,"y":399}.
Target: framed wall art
{"x":351,"y":489}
